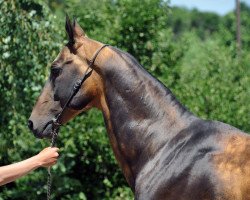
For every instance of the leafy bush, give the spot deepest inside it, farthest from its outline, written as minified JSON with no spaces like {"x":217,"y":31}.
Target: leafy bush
{"x":27,"y":45}
{"x":214,"y":84}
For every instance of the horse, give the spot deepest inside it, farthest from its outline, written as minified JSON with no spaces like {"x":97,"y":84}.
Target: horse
{"x":164,"y":150}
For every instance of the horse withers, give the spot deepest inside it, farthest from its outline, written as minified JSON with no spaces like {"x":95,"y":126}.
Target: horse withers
{"x":165,"y":152}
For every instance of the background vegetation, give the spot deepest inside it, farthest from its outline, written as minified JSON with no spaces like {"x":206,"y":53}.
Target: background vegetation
{"x":193,"y":53}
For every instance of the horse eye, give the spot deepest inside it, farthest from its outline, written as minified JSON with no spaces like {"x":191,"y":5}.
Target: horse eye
{"x":55,"y":71}
{"x":69,"y":62}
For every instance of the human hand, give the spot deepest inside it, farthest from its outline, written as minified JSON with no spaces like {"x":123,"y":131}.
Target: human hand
{"x":48,"y":156}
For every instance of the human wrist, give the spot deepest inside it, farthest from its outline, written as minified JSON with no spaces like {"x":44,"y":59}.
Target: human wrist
{"x":37,"y":161}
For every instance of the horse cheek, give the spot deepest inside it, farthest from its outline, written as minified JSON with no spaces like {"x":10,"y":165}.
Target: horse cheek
{"x":80,"y":102}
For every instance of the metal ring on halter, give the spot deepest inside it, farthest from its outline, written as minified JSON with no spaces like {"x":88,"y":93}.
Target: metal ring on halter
{"x":77,"y":84}
{"x":55,"y":122}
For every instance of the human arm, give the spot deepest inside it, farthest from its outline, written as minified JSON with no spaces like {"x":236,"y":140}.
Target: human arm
{"x":45,"y":158}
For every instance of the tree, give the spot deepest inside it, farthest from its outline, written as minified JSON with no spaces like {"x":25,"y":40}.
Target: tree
{"x":238,"y":34}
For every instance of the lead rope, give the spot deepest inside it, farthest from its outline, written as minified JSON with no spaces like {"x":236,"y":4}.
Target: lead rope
{"x":55,"y":130}
{"x":56,"y":121}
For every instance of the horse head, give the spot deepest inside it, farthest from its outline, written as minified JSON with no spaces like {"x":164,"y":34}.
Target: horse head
{"x":68,"y":67}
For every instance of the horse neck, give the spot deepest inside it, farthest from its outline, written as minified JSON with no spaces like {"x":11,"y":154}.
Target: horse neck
{"x":140,"y":113}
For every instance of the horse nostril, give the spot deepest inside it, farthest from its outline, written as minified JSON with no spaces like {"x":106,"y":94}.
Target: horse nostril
{"x":30,"y":125}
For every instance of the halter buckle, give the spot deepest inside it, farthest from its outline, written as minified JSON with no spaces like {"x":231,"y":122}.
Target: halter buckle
{"x":77,"y":84}
{"x":56,"y":123}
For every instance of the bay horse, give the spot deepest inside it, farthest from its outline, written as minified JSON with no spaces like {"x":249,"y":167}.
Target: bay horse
{"x":165,"y":151}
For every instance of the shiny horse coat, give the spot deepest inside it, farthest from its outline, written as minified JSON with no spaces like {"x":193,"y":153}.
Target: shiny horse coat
{"x":165,"y":152}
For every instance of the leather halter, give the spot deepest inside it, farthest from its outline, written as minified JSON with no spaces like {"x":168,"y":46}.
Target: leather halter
{"x":56,"y":121}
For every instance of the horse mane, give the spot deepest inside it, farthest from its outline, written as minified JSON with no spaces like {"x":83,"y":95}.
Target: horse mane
{"x":134,"y":64}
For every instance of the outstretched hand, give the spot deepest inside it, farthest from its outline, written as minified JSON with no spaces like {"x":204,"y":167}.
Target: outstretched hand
{"x":48,"y":156}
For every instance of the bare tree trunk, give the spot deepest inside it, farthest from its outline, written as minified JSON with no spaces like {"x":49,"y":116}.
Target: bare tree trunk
{"x":238,"y":33}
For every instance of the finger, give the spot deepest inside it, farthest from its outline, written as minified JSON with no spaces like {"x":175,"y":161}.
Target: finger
{"x":44,"y":149}
{"x":47,"y":149}
{"x":56,"y":155}
{"x":56,"y":149}
{"x":52,"y":163}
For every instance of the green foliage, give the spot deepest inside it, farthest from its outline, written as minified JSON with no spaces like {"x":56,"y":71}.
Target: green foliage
{"x":228,"y":27}
{"x":193,"y":53}
{"x":27,"y":45}
{"x":216,"y":85}
{"x":202,"y":23}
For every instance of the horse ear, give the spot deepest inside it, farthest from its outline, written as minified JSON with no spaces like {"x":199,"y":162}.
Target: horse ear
{"x":69,"y":30}
{"x":78,"y":31}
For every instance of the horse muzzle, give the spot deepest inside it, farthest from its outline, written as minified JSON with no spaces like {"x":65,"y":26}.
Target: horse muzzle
{"x":40,"y":133}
